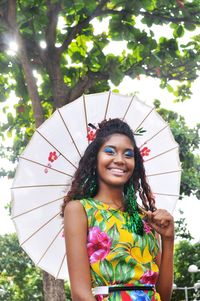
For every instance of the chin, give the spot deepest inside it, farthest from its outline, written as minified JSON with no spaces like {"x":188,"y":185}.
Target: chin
{"x":117,"y":183}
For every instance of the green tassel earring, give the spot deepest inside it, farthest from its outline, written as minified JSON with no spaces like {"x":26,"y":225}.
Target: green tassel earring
{"x":133,"y":220}
{"x":92,"y":187}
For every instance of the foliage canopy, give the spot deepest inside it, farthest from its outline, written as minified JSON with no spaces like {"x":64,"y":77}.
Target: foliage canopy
{"x":191,"y":255}
{"x":51,"y":52}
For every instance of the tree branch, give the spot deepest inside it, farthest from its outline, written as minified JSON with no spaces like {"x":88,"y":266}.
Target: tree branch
{"x":165,"y":74}
{"x":86,"y":82}
{"x":3,"y":45}
{"x":53,"y":10}
{"x":11,"y":12}
{"x":77,"y":28}
{"x":152,"y":15}
{"x":172,"y":19}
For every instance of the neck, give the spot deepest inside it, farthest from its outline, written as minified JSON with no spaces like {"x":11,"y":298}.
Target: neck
{"x":110,"y":195}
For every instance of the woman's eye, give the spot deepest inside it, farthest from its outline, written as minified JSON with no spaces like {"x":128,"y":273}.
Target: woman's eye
{"x":129,"y":153}
{"x":109,"y":150}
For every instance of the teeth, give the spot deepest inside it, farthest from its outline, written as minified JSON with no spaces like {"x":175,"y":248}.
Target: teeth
{"x":117,"y":170}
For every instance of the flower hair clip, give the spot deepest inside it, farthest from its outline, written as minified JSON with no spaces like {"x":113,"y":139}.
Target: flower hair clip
{"x":91,"y":132}
{"x":92,"y":129}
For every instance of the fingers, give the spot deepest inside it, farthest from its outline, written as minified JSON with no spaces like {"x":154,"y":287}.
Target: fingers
{"x":162,"y":222}
{"x":160,"y":217}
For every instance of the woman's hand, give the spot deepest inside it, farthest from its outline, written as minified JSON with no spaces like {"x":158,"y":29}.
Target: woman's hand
{"x":163,"y":223}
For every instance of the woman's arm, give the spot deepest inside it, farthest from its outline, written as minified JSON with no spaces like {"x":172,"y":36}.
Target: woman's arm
{"x":75,"y":230}
{"x":165,"y":262}
{"x":163,"y":223}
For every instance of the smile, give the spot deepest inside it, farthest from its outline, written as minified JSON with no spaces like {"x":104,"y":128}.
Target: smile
{"x":117,"y":171}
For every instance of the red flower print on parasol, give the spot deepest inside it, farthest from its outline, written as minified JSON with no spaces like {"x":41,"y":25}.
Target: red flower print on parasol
{"x":52,"y":156}
{"x":145,"y":151}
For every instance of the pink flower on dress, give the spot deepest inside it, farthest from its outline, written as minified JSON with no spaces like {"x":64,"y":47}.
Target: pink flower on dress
{"x":149,"y":277}
{"x":98,"y":245}
{"x":147,"y":228}
{"x":99,"y":297}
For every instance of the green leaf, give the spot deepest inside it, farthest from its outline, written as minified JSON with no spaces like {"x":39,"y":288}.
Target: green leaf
{"x":142,"y":243}
{"x":91,"y":211}
{"x":149,"y":5}
{"x":113,"y":233}
{"x":106,"y":270}
{"x":124,"y":271}
{"x":190,"y":26}
{"x":170,"y":88}
{"x":119,"y":256}
{"x":117,"y":214}
{"x":90,"y":5}
{"x":10,"y":118}
{"x":102,"y":225}
{"x":105,"y":214}
{"x":179,"y":31}
{"x":97,"y":278}
{"x":9,"y":134}
{"x":120,"y":249}
{"x":116,"y":296}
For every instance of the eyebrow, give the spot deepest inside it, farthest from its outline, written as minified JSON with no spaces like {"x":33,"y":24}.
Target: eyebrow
{"x":112,"y":146}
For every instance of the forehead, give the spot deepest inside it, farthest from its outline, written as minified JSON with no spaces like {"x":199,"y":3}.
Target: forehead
{"x":119,"y":140}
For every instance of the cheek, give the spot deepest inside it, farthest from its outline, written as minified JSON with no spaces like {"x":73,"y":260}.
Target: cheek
{"x":103,"y":159}
{"x":101,"y":162}
{"x":131,"y":166}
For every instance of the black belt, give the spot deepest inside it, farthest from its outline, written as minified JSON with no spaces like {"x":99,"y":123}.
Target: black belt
{"x":131,"y":288}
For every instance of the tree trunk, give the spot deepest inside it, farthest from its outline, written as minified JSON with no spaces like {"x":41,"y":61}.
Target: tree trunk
{"x":53,"y":289}
{"x":59,"y":89}
{"x":25,"y":62}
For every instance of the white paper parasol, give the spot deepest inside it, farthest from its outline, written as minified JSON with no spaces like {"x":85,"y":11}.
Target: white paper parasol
{"x":49,"y":161}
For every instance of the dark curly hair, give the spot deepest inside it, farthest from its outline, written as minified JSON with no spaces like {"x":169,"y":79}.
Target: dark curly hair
{"x":86,"y":173}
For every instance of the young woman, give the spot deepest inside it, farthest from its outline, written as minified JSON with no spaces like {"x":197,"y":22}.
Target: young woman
{"x":113,"y":248}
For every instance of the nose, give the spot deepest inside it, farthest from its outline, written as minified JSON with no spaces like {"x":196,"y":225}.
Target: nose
{"x":119,"y":159}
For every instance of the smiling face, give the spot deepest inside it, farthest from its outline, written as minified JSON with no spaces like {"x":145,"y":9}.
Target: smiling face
{"x":115,"y":161}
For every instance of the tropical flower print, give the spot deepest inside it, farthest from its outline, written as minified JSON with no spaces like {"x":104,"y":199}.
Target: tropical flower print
{"x":149,"y":277}
{"x":147,"y":228}
{"x":118,"y":256}
{"x":99,"y":297}
{"x":99,"y":244}
{"x":139,"y":296}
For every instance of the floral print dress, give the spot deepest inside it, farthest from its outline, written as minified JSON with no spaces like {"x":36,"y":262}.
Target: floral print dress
{"x":117,"y":256}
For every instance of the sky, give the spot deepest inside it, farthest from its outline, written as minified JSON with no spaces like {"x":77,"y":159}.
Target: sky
{"x":147,"y":90}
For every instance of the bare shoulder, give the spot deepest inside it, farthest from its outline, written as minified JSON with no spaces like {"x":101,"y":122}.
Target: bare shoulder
{"x":74,"y":212}
{"x":74,"y":207}
{"x":75,"y":226}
